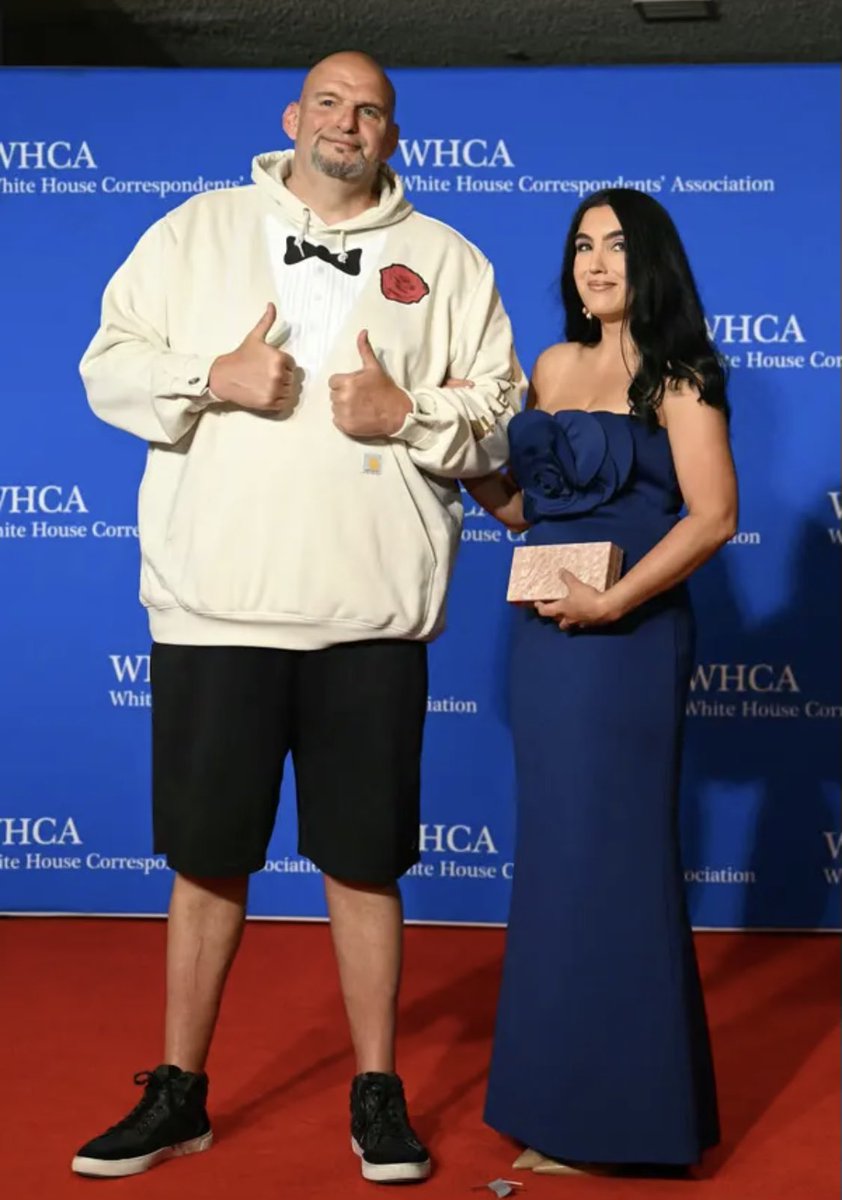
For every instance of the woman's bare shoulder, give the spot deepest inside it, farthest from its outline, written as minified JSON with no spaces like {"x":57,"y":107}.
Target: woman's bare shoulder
{"x":557,"y":357}
{"x":552,"y":368}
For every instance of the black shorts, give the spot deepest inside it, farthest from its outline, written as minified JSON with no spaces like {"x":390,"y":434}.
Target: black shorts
{"x":224,"y":719}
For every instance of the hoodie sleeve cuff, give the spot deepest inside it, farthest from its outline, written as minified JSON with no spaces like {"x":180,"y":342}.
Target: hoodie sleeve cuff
{"x":185,"y":377}
{"x":416,"y":430}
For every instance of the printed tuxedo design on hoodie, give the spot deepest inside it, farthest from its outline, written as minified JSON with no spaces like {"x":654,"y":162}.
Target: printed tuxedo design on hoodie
{"x":275,"y":531}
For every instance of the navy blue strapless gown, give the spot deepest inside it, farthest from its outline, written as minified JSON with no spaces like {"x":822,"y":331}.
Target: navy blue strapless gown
{"x":601,"y":1052}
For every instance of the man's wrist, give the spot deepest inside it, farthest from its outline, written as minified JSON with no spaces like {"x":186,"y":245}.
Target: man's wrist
{"x":215,"y":383}
{"x":401,"y":407}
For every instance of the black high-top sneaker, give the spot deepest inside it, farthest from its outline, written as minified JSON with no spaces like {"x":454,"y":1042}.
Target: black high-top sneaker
{"x":381,"y":1133}
{"x":169,"y":1120}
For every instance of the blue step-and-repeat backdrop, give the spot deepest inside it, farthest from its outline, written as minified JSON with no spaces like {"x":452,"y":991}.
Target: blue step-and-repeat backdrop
{"x":747,"y":159}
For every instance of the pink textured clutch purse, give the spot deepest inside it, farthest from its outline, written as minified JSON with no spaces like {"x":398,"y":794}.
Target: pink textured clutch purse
{"x":535,"y":573}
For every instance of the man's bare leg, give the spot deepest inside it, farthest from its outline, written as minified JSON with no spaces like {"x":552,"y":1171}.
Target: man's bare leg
{"x":205,"y":926}
{"x":367,"y":928}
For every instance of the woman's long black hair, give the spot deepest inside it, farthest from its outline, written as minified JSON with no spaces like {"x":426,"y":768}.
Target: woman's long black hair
{"x":664,"y":315}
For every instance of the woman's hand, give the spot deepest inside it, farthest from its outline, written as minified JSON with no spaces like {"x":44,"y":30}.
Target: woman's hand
{"x":581,"y":607}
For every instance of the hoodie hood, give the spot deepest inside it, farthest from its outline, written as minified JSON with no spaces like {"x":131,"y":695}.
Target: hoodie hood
{"x":269,"y":171}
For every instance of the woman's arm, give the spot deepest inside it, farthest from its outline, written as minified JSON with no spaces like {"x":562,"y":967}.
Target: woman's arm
{"x":499,"y":493}
{"x":698,"y":437}
{"x":704,"y":467}
{"x":500,"y":496}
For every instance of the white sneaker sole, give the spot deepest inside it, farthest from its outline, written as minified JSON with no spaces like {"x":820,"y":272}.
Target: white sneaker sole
{"x":116,"y":1169}
{"x":408,"y":1172}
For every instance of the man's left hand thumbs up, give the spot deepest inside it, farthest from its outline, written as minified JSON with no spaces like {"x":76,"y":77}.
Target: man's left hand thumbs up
{"x":367,"y":355}
{"x":367,"y":403}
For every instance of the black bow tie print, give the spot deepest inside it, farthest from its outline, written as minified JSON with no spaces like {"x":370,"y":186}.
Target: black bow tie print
{"x":298,"y":251}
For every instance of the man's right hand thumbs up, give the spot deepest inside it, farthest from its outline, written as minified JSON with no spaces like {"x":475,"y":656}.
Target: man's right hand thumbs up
{"x":263,"y":325}
{"x":256,"y":375}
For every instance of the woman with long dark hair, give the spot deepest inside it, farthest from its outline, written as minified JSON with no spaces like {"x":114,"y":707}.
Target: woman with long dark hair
{"x":601,"y":1053}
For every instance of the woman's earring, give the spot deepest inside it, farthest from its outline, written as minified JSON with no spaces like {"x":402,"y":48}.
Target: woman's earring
{"x":587,"y":315}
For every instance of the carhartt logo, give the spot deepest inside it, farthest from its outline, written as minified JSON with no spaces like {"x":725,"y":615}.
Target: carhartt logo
{"x":46,"y":156}
{"x":455,"y":152}
{"x":38,"y":831}
{"x":18,"y":498}
{"x":743,"y":677}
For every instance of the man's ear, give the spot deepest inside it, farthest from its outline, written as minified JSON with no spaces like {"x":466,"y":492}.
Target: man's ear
{"x":390,"y":143}
{"x":289,"y":121}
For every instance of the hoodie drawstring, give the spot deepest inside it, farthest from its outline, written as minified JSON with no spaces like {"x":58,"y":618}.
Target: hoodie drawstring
{"x":305,"y":229}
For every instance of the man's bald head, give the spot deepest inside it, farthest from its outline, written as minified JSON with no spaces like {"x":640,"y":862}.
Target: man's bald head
{"x":343,"y":122}
{"x":352,"y":65}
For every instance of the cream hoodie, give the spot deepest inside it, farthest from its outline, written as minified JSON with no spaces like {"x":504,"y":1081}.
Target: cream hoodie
{"x":284,"y":532}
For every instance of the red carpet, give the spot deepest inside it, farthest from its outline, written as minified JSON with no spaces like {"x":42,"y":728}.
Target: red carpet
{"x":81,"y":1005}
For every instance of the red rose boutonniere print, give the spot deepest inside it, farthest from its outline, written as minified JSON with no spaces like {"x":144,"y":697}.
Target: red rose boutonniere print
{"x":401,"y":284}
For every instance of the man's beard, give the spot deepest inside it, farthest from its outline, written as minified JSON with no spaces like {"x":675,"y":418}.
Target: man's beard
{"x":339,"y":168}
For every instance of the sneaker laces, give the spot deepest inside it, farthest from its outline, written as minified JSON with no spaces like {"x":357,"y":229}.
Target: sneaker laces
{"x":386,"y":1113}
{"x":142,"y":1113}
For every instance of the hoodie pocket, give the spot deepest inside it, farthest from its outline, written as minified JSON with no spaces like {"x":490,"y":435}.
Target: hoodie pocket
{"x":268,"y":526}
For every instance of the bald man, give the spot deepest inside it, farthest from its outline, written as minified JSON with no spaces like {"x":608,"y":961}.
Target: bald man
{"x":285,"y":350}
